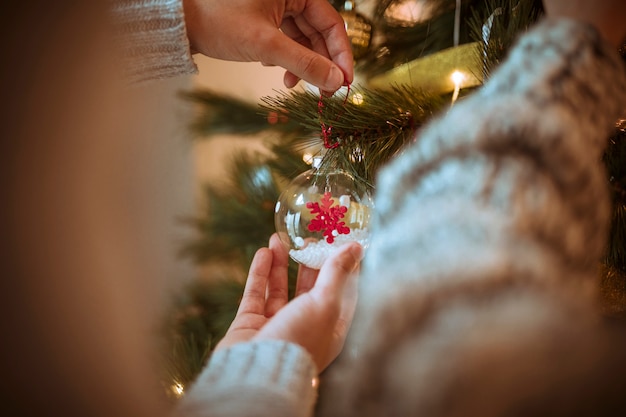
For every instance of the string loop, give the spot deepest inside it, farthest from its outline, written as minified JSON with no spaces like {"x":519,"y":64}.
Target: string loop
{"x":328,"y":129}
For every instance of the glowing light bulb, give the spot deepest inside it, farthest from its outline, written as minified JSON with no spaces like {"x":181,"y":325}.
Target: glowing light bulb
{"x":357,"y":99}
{"x":457,"y":78}
{"x":178,"y":389}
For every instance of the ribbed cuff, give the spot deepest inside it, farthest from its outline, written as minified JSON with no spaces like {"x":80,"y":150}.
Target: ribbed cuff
{"x":153,"y":39}
{"x":268,"y":378}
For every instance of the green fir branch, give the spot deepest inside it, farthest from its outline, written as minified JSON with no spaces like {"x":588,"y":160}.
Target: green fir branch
{"x":368,"y":134}
{"x":237,"y":221}
{"x":287,"y":161}
{"x":218,"y":113}
{"x":198,"y":319}
{"x":505,"y":20}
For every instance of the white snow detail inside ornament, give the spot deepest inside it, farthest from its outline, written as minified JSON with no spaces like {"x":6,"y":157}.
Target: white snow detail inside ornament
{"x":321,"y":210}
{"x":314,"y":254}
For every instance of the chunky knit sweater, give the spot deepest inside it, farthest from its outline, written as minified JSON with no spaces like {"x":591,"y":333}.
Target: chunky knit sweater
{"x":476,"y":296}
{"x":153,"y":39}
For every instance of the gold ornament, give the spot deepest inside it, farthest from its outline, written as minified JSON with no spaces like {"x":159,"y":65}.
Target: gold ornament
{"x":358,"y":28}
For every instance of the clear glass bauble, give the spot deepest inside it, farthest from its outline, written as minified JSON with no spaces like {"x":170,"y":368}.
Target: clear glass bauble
{"x":321,"y":210}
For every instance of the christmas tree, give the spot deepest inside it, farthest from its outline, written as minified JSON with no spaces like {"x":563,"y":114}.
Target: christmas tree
{"x":414,"y":59}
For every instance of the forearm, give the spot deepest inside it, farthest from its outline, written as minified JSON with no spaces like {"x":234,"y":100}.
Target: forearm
{"x":153,"y":38}
{"x":270,"y":378}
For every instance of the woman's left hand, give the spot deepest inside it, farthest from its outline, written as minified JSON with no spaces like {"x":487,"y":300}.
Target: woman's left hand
{"x":319,"y":316}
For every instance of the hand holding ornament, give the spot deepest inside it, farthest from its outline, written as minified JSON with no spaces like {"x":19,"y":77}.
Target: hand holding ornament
{"x":319,"y":316}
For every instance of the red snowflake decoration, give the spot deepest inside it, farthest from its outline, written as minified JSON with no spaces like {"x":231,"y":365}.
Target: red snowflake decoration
{"x":327,"y":218}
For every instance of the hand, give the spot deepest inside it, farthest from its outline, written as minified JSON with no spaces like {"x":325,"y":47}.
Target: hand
{"x":608,"y":16}
{"x":319,"y":316}
{"x":306,"y":37}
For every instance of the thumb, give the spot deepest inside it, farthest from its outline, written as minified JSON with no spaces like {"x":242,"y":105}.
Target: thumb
{"x":335,"y":272}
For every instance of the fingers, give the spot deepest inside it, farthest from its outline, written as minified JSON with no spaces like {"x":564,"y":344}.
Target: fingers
{"x":321,"y":17}
{"x":277,"y":285}
{"x":306,"y":279}
{"x":303,"y":62}
{"x":253,"y":299}
{"x":347,"y":310}
{"x":290,"y":80}
{"x":313,"y":45}
{"x":292,"y":30}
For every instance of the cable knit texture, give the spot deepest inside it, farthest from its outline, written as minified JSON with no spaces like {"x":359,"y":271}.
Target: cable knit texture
{"x":153,"y":39}
{"x":269,"y":378}
{"x":486,"y":246}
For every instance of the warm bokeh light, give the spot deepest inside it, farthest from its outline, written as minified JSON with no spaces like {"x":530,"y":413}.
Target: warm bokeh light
{"x":457,"y":78}
{"x":357,"y":98}
{"x":178,"y":389}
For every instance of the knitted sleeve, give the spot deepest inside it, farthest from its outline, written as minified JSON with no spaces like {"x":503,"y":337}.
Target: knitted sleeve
{"x":152,"y":38}
{"x":512,"y":176}
{"x":269,"y":378}
{"x":488,"y":234}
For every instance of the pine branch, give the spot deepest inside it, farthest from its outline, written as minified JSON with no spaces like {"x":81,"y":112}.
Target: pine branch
{"x":504,"y":21}
{"x":219,"y":113}
{"x":196,"y":322}
{"x":369,"y":134}
{"x":287,"y":160}
{"x":237,"y":221}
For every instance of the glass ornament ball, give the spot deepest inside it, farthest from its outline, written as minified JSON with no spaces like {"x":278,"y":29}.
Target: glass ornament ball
{"x":319,"y":211}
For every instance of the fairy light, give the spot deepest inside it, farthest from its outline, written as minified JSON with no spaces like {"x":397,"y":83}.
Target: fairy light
{"x":457,"y":78}
{"x":178,"y":389}
{"x":357,"y":98}
{"x":307,"y":158}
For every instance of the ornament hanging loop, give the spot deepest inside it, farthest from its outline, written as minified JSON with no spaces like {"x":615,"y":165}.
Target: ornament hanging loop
{"x":327,"y":129}
{"x":326,"y":135}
